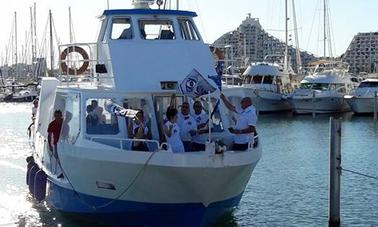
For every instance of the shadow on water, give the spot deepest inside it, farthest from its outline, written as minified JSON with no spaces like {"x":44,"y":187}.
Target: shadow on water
{"x":226,"y":220}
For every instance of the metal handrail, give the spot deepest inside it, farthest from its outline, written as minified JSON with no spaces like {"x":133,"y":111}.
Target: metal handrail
{"x":160,"y":146}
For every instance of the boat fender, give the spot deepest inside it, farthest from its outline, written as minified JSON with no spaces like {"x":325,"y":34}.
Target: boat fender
{"x":29,"y":167}
{"x":72,"y":71}
{"x":40,"y":181}
{"x":33,"y":170}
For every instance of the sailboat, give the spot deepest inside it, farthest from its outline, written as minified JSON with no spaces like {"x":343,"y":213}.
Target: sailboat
{"x":324,"y":90}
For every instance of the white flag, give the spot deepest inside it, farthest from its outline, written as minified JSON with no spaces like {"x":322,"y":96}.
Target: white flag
{"x":195,"y":85}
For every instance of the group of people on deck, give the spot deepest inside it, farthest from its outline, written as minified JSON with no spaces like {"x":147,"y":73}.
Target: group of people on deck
{"x":185,"y":132}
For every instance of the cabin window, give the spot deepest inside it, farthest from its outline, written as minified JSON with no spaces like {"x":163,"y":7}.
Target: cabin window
{"x":156,"y":29}
{"x":121,"y":29}
{"x":187,"y":29}
{"x":99,"y":121}
{"x":247,"y":80}
{"x":71,"y":121}
{"x":257,"y":79}
{"x":268,"y":80}
{"x":368,"y":84}
{"x":306,"y":85}
{"x":373,"y":84}
{"x":321,"y":87}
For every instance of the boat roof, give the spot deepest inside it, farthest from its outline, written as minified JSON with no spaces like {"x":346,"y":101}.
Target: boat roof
{"x":326,"y":78}
{"x":149,"y":12}
{"x":370,"y":80}
{"x":262,"y":69}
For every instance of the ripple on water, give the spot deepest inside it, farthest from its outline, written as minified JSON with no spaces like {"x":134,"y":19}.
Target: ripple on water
{"x":289,"y":186}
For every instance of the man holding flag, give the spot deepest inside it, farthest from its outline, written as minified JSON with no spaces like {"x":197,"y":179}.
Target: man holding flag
{"x":245,"y":128}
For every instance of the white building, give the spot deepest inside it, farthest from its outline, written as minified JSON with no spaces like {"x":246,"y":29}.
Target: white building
{"x":362,"y":53}
{"x":250,"y":42}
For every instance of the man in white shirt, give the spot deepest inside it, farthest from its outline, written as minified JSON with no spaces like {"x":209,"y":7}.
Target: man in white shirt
{"x":202,"y":120}
{"x":187,"y":125}
{"x":245,"y":128}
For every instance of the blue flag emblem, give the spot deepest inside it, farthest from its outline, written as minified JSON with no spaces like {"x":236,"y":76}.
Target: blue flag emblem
{"x":195,"y":85}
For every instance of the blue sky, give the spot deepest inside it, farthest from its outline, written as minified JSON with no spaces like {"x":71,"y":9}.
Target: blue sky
{"x":348,"y":17}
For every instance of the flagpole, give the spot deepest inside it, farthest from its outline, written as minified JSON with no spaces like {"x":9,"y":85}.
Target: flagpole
{"x":210,"y":123}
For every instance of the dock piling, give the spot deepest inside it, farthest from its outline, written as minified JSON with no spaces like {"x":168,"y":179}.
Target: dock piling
{"x":313,"y":104}
{"x":375,"y":105}
{"x":335,"y":172}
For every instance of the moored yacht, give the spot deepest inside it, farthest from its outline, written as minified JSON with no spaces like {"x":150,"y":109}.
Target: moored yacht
{"x":364,"y":97}
{"x":323,"y":91}
{"x":268,"y":84}
{"x":141,"y":58}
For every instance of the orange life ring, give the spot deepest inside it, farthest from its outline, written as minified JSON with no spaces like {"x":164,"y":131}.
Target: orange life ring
{"x":71,"y":71}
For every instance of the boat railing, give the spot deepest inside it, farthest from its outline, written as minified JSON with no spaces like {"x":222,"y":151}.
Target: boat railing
{"x":79,"y":62}
{"x":127,"y":144}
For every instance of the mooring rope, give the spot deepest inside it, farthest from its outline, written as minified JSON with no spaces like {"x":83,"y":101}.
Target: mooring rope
{"x":358,"y":173}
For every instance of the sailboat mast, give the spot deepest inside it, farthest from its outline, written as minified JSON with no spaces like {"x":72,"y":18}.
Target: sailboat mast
{"x":15,"y":40}
{"x":298,"y":52}
{"x":51,"y":46}
{"x":325,"y":29}
{"x":32,"y":35}
{"x":35,"y":30}
{"x":70,"y":23}
{"x":177,"y":4}
{"x":286,"y":60}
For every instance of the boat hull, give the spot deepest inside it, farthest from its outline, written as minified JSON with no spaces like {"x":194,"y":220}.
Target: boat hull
{"x":266,"y":101}
{"x":263,"y":100}
{"x":319,"y":105}
{"x":362,"y":105}
{"x":131,"y":213}
{"x":186,"y":190}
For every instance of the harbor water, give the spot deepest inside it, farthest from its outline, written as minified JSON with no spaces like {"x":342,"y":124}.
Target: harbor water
{"x":289,"y":186}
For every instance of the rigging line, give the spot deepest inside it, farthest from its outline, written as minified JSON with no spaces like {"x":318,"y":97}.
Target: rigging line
{"x":358,"y":173}
{"x":55,"y":33}
{"x":332,"y":33}
{"x":312,"y":25}
{"x":9,"y":54}
{"x":329,"y":37}
{"x":201,"y":21}
{"x":319,"y":40}
{"x":42,"y":46}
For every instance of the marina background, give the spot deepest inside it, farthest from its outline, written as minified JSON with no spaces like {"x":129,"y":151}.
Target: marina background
{"x":289,"y":186}
{"x":215,"y":18}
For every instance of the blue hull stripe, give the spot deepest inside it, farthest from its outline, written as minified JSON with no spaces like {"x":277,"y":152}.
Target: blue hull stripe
{"x":129,"y":213}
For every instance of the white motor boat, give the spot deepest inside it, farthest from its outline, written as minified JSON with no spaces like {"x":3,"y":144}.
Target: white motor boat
{"x":141,"y":58}
{"x":323,"y":91}
{"x":364,"y":97}
{"x":268,"y":85}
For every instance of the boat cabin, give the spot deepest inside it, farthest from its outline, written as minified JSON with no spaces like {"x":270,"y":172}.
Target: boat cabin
{"x":140,"y":59}
{"x":267,"y":76}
